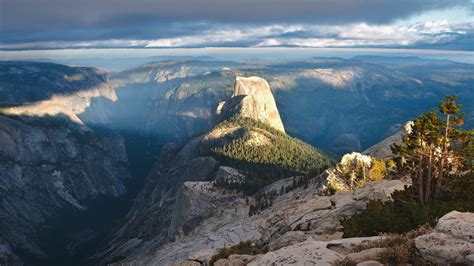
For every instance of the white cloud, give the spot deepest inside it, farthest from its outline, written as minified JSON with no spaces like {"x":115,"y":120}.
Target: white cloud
{"x":303,"y":35}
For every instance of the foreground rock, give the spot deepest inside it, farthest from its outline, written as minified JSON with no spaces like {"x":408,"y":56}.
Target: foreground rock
{"x":293,"y":218}
{"x":452,"y":241}
{"x":311,"y":252}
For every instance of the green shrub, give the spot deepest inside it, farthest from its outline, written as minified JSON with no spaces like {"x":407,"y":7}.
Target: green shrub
{"x":404,"y":213}
{"x":244,"y":247}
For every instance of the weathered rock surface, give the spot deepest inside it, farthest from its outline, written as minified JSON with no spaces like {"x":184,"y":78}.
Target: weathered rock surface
{"x":382,"y":149}
{"x":46,"y":169}
{"x":49,"y":161}
{"x":293,"y":218}
{"x":452,"y":241}
{"x":309,"y":252}
{"x":253,"y":98}
{"x":305,"y":253}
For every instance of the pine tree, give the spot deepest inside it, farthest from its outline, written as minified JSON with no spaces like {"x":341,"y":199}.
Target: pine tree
{"x":435,"y":151}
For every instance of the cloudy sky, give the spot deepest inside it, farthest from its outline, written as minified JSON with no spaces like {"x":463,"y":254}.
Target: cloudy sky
{"x":421,"y":24}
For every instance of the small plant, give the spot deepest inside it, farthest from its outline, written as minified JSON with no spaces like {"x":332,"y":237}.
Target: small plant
{"x":244,"y":247}
{"x":353,"y":171}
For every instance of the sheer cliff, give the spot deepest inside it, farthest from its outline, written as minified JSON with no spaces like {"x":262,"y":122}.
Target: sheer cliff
{"x":50,"y":161}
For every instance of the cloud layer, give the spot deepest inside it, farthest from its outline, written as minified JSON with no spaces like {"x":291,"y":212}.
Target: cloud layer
{"x":33,"y":24}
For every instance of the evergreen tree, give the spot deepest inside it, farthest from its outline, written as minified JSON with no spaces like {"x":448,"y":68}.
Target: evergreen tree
{"x":435,"y":151}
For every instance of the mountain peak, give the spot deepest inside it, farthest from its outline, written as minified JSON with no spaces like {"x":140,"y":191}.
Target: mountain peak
{"x":253,"y":98}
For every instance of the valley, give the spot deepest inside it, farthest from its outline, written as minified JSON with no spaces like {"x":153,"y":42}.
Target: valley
{"x":165,"y":161}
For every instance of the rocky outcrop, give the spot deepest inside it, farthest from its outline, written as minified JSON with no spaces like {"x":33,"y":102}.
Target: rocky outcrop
{"x":253,"y":98}
{"x":452,"y":241}
{"x":309,"y":252}
{"x":293,"y":218}
{"x":382,"y":149}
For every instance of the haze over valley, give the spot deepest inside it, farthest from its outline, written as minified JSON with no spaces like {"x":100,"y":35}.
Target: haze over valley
{"x":143,"y":134}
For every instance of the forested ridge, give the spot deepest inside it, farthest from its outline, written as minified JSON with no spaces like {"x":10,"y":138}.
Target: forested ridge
{"x":280,"y":157}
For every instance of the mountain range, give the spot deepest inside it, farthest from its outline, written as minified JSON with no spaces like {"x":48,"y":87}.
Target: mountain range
{"x":175,"y":156}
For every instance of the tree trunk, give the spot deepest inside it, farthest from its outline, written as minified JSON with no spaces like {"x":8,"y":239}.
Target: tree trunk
{"x":439,"y":180}
{"x":420,"y":179}
{"x":429,"y":177}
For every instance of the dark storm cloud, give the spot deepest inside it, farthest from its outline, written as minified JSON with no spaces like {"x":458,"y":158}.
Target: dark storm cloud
{"x":17,"y":15}
{"x":42,"y":24}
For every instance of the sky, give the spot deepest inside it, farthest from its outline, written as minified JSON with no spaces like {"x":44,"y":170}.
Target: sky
{"x":78,"y":24}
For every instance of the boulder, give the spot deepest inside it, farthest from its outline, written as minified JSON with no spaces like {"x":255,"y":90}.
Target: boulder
{"x":457,"y":224}
{"x":451,"y":241}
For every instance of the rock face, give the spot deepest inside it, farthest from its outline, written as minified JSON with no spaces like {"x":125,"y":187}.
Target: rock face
{"x":452,"y":241}
{"x":224,"y":220}
{"x":50,"y":162}
{"x":253,"y":98}
{"x":46,"y":169}
{"x":45,"y":89}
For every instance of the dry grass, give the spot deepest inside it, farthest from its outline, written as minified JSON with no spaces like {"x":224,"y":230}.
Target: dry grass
{"x":399,"y":248}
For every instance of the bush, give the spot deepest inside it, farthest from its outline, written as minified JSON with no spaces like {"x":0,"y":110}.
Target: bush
{"x":244,"y":247}
{"x":404,"y":213}
{"x":353,"y":171}
{"x":399,"y":248}
{"x":378,"y":169}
